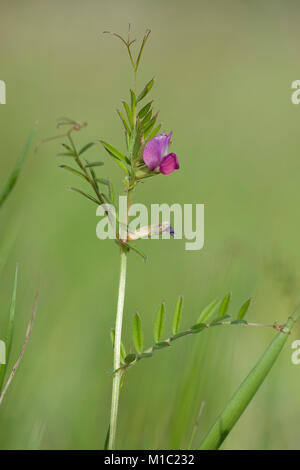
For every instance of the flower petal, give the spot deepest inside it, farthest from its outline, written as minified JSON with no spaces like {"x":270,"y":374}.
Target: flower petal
{"x":169,"y":163}
{"x":155,"y":150}
{"x":165,"y":150}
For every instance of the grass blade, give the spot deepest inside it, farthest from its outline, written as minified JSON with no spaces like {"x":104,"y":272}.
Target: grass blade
{"x":246,"y":391}
{"x":12,"y":180}
{"x":10,"y":328}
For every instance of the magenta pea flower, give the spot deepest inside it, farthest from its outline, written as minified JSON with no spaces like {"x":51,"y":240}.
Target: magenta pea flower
{"x":157,"y":157}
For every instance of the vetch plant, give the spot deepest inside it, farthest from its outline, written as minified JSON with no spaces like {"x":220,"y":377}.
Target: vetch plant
{"x":147,"y":154}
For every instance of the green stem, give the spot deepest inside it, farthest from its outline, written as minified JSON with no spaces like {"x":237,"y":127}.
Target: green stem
{"x":117,"y":353}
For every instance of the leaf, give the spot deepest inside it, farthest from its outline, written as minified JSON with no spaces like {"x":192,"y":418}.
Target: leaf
{"x":159,"y":323}
{"x":145,"y":90}
{"x":142,"y":113}
{"x":243,"y":310}
{"x":148,"y":127}
{"x":108,"y":200}
{"x":86,"y":147}
{"x":133,"y":102}
{"x":137,"y":144}
{"x":246,"y":391}
{"x":125,"y":124}
{"x":224,"y":305}
{"x":208,"y":311}
{"x":116,"y":154}
{"x":10,"y":329}
{"x":93,"y":174}
{"x":109,"y":186}
{"x":137,"y":334}
{"x":113,"y":151}
{"x":73,"y":170}
{"x":13,"y":178}
{"x":92,"y":164}
{"x":106,"y":442}
{"x":67,"y":147}
{"x":123,"y":352}
{"x":111,"y":192}
{"x":147,"y":118}
{"x":138,"y":251}
{"x":88,"y":196}
{"x":128,"y":112}
{"x":154,"y":132}
{"x":177,"y":316}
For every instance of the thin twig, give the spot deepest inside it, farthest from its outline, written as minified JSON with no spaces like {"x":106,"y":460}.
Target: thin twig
{"x":28,"y":333}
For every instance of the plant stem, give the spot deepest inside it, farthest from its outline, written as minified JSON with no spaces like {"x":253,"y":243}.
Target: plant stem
{"x":117,"y":351}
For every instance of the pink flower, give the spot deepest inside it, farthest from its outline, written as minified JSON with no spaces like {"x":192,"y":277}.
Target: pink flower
{"x":157,"y":157}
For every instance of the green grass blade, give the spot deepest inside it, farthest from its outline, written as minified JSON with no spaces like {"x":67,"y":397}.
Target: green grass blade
{"x":10,"y":329}
{"x":12,"y":180}
{"x":246,"y":391}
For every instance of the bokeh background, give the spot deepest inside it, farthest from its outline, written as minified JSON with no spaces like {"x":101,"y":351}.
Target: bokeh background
{"x":223,"y":75}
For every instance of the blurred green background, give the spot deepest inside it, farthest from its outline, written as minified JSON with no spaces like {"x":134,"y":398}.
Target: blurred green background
{"x":223,"y":75}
